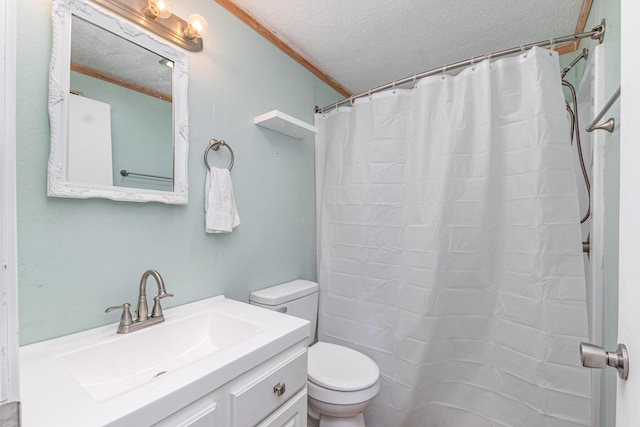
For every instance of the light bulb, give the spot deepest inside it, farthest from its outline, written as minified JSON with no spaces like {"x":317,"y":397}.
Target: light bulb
{"x":164,"y":8}
{"x":158,"y":9}
{"x":197,"y":27}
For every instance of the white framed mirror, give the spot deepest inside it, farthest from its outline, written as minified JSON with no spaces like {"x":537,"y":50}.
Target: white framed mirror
{"x":117,"y":108}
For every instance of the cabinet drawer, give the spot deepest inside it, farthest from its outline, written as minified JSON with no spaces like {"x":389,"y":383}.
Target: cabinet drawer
{"x":291,"y":414}
{"x":201,"y":413}
{"x":261,"y":396}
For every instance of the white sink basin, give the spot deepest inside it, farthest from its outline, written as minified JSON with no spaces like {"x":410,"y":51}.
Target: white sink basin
{"x":100,"y":378}
{"x":129,"y":360}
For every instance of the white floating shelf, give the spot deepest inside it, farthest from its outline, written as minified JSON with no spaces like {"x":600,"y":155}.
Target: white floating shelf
{"x":284,"y":123}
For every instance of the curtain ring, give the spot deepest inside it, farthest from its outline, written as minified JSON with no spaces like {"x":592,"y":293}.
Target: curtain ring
{"x":369,"y":94}
{"x":336,"y":107}
{"x":473,"y":64}
{"x":523,"y":51}
{"x":414,"y":80}
{"x":552,"y":46}
{"x":444,"y":70}
{"x":351,"y":100}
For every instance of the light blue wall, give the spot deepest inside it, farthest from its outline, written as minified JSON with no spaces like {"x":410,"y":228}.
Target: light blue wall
{"x":77,"y":257}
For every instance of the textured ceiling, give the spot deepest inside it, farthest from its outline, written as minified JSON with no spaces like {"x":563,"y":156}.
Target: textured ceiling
{"x":367,"y":43}
{"x":100,"y":50}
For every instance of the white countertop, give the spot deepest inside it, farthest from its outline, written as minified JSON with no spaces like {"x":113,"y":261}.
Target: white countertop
{"x":51,"y":396}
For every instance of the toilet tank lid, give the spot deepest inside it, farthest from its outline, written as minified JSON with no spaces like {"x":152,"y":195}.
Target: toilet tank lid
{"x":280,"y":294}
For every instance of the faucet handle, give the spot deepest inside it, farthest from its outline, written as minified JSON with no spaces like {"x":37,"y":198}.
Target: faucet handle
{"x":125,"y":319}
{"x":157,"y":308}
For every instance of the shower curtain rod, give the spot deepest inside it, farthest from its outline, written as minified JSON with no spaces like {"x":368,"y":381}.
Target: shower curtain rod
{"x":597,"y":33}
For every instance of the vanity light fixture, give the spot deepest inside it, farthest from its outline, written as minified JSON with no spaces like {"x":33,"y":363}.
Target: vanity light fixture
{"x":156,"y":16}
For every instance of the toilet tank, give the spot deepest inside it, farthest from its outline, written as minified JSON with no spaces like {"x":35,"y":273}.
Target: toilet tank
{"x":297,"y":298}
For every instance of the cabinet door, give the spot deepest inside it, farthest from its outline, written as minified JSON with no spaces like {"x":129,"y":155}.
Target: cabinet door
{"x":292,"y":414}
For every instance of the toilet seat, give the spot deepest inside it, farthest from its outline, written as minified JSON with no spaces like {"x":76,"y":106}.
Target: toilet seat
{"x":333,"y":397}
{"x":339,"y":368}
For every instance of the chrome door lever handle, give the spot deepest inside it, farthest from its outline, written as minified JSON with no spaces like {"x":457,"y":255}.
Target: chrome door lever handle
{"x":593,"y":356}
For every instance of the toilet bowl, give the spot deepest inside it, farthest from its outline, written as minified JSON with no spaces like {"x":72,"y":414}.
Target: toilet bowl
{"x":341,"y":382}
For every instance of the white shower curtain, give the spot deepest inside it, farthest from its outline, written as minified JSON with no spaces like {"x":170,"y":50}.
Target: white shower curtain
{"x":449,"y":247}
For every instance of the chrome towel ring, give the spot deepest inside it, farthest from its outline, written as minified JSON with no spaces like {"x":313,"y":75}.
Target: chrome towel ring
{"x":215,"y":145}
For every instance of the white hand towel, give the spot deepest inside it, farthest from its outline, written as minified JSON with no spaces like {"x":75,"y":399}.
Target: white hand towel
{"x":221,"y":214}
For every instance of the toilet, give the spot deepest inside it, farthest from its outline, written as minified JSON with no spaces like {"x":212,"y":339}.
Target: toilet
{"x":341,"y":382}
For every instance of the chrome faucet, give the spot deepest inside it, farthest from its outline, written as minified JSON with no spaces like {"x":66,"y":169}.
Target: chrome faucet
{"x":127,"y":324}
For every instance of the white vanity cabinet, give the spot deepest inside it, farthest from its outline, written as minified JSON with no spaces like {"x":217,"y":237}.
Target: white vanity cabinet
{"x":273,"y":394}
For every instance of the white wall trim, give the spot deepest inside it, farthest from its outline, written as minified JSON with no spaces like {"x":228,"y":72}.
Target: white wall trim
{"x":628,"y":392}
{"x":9,"y":380}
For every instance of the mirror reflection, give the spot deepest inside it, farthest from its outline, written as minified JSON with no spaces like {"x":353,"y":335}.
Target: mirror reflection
{"x":120,"y":112}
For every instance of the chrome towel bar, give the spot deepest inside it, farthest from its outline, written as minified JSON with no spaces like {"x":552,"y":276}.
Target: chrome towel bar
{"x":215,"y":145}
{"x":125,"y":172}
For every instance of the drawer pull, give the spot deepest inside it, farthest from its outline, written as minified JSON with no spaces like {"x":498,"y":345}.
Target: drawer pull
{"x":279,"y":389}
